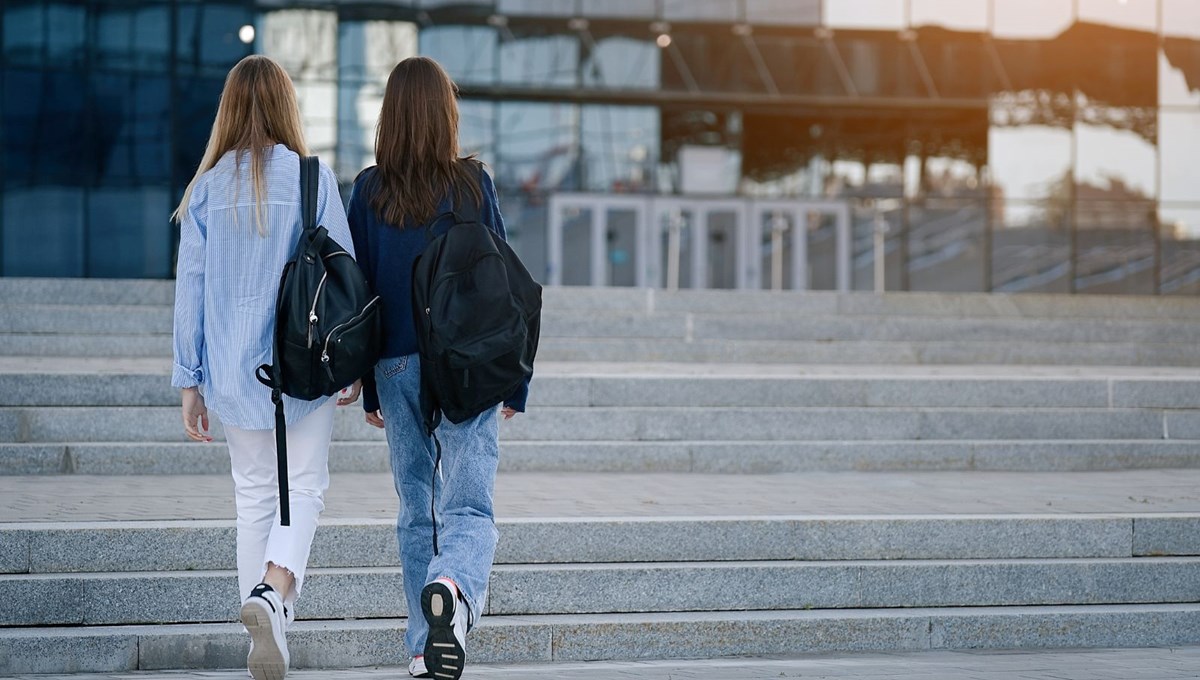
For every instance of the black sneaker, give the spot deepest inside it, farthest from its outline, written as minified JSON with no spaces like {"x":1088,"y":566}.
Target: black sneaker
{"x":265,"y":618}
{"x":445,"y":648}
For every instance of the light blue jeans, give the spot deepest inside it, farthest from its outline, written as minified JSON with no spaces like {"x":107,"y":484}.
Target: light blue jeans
{"x":466,"y":522}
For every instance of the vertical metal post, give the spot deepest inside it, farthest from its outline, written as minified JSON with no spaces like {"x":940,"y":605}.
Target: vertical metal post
{"x":554,"y":241}
{"x":599,"y":259}
{"x":880,"y":251}
{"x":800,"y":249}
{"x":700,"y":235}
{"x":843,"y":248}
{"x":641,"y":257}
{"x":777,"y":228}
{"x":673,"y":248}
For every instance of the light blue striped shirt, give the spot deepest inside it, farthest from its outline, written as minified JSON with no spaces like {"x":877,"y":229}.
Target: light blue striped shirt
{"x":228,"y":277}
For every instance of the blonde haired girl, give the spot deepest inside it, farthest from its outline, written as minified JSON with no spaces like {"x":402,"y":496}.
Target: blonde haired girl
{"x":239,"y":222}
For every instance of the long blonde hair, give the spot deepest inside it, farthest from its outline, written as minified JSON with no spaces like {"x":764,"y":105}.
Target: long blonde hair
{"x":416,"y":145}
{"x":258,"y":110}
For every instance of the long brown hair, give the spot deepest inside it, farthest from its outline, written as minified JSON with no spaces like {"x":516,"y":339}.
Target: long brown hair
{"x":416,"y":145}
{"x":258,"y":110}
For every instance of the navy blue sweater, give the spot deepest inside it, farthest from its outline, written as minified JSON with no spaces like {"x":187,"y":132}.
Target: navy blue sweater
{"x":386,"y":255}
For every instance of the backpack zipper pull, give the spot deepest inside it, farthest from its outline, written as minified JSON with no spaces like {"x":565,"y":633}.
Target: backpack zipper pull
{"x":312,"y":322}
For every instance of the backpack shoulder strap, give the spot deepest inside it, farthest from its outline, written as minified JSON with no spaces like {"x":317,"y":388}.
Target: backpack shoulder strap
{"x":310,"y":180}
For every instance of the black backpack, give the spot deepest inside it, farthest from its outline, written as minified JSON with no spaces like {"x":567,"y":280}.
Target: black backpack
{"x":478,"y":317}
{"x":327,"y":322}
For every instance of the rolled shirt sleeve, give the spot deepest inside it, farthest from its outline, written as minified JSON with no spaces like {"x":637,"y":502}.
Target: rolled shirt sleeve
{"x":188,"y":331}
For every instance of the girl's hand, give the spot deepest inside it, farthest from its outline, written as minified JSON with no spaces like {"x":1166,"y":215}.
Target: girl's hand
{"x":194,"y":412}
{"x":508,"y":412}
{"x":375,"y":418}
{"x":350,"y":394}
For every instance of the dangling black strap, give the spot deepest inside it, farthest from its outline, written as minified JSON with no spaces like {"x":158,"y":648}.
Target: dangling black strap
{"x":437,"y":463}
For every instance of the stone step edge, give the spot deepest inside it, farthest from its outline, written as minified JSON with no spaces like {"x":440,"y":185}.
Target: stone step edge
{"x":357,"y":643}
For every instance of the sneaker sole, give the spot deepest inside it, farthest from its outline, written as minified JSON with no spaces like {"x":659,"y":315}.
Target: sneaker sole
{"x":444,"y":657}
{"x":266,"y":658}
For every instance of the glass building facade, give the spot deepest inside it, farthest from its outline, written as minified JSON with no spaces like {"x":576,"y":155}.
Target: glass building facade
{"x":1009,"y":145}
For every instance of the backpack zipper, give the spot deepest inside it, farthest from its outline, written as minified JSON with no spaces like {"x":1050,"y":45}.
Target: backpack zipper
{"x":312,"y":313}
{"x":357,"y":317}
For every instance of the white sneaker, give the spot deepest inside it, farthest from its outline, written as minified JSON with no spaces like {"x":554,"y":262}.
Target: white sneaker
{"x":445,"y":648}
{"x":416,"y":668}
{"x":264,"y":617}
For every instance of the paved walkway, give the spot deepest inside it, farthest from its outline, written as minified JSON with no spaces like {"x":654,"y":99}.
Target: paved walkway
{"x":81,"y":498}
{"x":1104,"y":664}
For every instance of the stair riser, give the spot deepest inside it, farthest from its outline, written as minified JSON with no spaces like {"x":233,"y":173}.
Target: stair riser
{"x":213,"y":597}
{"x":359,"y":644}
{"x":34,"y":389}
{"x":161,"y":424}
{"x":199,"y":546}
{"x":711,"y":458}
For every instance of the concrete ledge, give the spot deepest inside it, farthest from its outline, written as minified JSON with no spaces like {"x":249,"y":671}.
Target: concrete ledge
{"x":347,"y":644}
{"x":209,"y":545}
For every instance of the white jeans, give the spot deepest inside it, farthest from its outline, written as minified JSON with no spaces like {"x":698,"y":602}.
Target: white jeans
{"x":260,"y":538}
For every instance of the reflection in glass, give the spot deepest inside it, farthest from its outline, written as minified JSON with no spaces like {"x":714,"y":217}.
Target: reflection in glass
{"x":55,"y":248}
{"x":1141,"y":15}
{"x":367,"y":53}
{"x":869,"y":14}
{"x":1179,"y":147}
{"x":621,"y":9}
{"x":1181,"y":19}
{"x":1031,"y":246}
{"x":945,"y":245}
{"x":133,"y":37}
{"x":538,"y":147}
{"x":865,"y":216}
{"x":784,"y":12}
{"x":129,"y":233}
{"x":1026,"y":158}
{"x":577,"y":248}
{"x":1179,"y":72}
{"x":1115,"y":163}
{"x":1032,"y":18}
{"x":722,"y":250}
{"x":1114,"y":246}
{"x":45,"y":32}
{"x":546,"y":60}
{"x":305,"y":43}
{"x":468,"y":53}
{"x":620,"y":148}
{"x":622,"y":62}
{"x":1180,"y":232}
{"x":621,"y":247}
{"x":477,"y":129}
{"x":544,"y":8}
{"x":700,"y":10}
{"x":957,"y":15}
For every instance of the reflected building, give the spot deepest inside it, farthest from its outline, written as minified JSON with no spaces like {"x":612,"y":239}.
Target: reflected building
{"x":1007,"y":145}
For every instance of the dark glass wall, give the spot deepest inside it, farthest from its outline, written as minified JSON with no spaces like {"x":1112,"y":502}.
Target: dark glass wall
{"x":107,"y":107}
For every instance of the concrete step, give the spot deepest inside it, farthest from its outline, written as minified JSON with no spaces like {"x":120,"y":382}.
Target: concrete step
{"x":977,"y":305}
{"x":38,"y":382}
{"x":730,"y":457}
{"x":161,"y":424}
{"x":575,"y":323}
{"x":348,"y":644}
{"x":518,"y":590}
{"x":207,"y":545}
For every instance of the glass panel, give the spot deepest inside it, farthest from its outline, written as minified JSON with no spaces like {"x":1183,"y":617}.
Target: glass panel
{"x":216,"y":34}
{"x":305,"y":43}
{"x":577,"y":247}
{"x":622,"y":238}
{"x":131,"y":133}
{"x":538,"y":147}
{"x":1029,"y":155}
{"x":1140,"y":15}
{"x":784,"y":12}
{"x":43,"y":231}
{"x":194,"y":114}
{"x":24,"y":32}
{"x":776,"y":251}
{"x":65,"y":33}
{"x":1031,"y":18}
{"x":136,"y":37}
{"x":958,"y":15}
{"x":545,"y":8}
{"x":1116,"y":154}
{"x":945,"y":245}
{"x":1180,"y":249}
{"x":620,"y":148}
{"x":870,"y":14}
{"x":1181,"y":18}
{"x":129,"y":234}
{"x":1031,"y":245}
{"x":1115,"y":247}
{"x":723,"y":245}
{"x":683,"y":221}
{"x":623,"y":62}
{"x":822,"y":251}
{"x":864,"y":213}
{"x":880,"y":65}
{"x":701,"y":10}
{"x":550,"y":60}
{"x":46,"y":124}
{"x":621,"y":9}
{"x":468,"y":53}
{"x":477,"y":129}
{"x":1179,"y":147}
